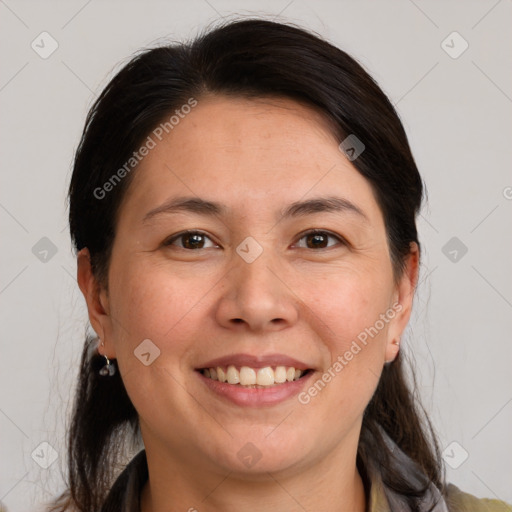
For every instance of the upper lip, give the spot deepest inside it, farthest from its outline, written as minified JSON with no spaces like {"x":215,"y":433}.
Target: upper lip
{"x":256,"y":361}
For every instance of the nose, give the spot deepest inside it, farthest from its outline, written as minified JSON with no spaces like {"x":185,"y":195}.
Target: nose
{"x":256,"y":296}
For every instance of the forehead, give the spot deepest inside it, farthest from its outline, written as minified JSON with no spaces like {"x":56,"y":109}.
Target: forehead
{"x":247,"y":151}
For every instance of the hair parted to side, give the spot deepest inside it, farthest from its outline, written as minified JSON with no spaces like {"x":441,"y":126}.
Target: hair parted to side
{"x":251,"y":58}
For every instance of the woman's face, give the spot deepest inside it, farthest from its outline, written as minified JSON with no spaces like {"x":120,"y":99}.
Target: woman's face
{"x":251,"y":289}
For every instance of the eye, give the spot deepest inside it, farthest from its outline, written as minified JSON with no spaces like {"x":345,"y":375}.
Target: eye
{"x":318,"y":239}
{"x":189,"y":240}
{"x":193,"y":240}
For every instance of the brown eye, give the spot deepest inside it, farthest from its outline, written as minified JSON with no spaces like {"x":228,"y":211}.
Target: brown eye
{"x":319,"y":239}
{"x":189,"y":240}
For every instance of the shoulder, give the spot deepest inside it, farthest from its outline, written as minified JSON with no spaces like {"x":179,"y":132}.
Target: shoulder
{"x":459,"y":501}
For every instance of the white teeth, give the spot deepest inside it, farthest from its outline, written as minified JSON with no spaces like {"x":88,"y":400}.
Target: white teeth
{"x":247,"y":376}
{"x":254,"y":377}
{"x":221,"y":375}
{"x":280,"y":375}
{"x":233,"y":375}
{"x":265,"y":377}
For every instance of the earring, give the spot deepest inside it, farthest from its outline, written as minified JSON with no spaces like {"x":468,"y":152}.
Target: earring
{"x":109,"y":369}
{"x":397,"y":343}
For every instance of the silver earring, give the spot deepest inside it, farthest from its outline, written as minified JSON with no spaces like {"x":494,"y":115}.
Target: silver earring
{"x":109,"y":369}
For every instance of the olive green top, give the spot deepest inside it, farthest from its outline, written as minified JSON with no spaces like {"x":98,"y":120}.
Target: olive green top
{"x":453,"y":500}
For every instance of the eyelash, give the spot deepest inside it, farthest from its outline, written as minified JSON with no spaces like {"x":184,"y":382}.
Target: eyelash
{"x":170,"y":241}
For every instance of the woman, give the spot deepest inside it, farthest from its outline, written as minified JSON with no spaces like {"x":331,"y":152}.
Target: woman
{"x":243,"y":208}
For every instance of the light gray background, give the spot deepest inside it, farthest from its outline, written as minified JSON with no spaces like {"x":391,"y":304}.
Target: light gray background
{"x":457,"y":113}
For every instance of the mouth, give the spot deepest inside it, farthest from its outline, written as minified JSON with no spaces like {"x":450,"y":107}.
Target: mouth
{"x":254,"y":377}
{"x":249,"y":380}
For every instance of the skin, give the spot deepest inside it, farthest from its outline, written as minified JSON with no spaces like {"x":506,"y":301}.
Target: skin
{"x":255,"y":157}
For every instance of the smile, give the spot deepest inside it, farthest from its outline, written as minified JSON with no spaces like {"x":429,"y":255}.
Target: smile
{"x":246,"y":376}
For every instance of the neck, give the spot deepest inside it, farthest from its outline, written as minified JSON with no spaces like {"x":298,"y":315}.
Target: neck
{"x":332,"y":484}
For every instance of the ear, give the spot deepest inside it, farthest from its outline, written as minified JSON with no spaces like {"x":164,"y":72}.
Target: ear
{"x":96,"y":298}
{"x":402,"y":302}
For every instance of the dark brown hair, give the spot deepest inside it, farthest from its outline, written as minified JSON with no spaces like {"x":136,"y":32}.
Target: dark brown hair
{"x":250,"y":58}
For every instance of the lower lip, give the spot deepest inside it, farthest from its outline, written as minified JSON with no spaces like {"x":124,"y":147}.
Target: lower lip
{"x":256,"y":397}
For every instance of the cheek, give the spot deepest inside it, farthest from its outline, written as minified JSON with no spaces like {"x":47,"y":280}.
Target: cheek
{"x":353,"y":315}
{"x":152,"y":304}
{"x":349,"y":305}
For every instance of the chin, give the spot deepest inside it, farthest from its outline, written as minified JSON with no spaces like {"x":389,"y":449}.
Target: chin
{"x":257,"y":452}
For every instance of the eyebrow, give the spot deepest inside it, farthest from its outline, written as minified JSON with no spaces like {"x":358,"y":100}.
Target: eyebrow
{"x":297,"y":209}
